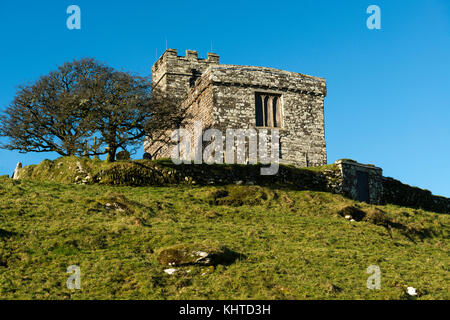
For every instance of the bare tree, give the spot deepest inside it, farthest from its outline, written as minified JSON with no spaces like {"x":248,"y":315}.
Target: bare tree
{"x":87,"y":108}
{"x":51,"y":114}
{"x":121,"y":106}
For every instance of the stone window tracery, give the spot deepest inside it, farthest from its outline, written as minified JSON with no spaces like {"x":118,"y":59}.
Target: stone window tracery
{"x":268,"y":110}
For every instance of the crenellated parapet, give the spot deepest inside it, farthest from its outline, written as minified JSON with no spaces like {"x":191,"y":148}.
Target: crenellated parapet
{"x":174,"y":75}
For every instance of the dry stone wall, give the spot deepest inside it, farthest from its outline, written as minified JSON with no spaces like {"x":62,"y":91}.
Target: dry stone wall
{"x":402,"y":194}
{"x":343,"y":179}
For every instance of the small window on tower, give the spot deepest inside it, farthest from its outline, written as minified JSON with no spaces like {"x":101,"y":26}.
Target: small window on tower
{"x":268,"y":110}
{"x":195,"y":75}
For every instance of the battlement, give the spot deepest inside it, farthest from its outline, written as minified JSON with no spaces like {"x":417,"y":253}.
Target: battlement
{"x":173,"y":74}
{"x":190,"y":55}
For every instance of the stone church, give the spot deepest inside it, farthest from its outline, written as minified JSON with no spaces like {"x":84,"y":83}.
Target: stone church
{"x":225,"y":96}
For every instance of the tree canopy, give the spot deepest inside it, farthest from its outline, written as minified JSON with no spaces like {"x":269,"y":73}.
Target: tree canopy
{"x":85,"y":108}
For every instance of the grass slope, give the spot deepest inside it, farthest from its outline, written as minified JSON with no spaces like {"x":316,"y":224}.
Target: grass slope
{"x":291,"y":244}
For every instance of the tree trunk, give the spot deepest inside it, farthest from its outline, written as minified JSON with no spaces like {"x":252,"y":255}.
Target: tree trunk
{"x":111,"y":156}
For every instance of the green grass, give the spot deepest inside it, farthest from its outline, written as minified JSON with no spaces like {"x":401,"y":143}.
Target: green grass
{"x":291,"y":244}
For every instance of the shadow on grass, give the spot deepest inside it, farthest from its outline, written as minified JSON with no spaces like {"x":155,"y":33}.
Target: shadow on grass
{"x":4,"y":234}
{"x":379,"y":218}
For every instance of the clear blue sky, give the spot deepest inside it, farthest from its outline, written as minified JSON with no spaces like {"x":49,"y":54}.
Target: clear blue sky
{"x":388,"y":97}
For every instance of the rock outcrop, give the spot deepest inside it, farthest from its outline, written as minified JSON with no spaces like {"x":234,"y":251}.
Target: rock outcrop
{"x":16,"y":173}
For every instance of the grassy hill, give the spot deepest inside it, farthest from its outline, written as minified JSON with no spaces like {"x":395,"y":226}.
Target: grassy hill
{"x":285,"y":244}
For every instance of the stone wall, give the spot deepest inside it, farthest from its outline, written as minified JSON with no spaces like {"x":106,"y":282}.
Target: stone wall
{"x":199,"y":104}
{"x":342,"y":179}
{"x":334,"y":178}
{"x":302,"y":136}
{"x":404,"y":195}
{"x":351,"y":185}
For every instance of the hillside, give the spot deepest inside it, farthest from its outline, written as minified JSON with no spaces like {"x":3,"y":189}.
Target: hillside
{"x":281,"y":243}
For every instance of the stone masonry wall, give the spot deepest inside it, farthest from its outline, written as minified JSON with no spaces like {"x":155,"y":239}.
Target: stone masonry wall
{"x":174,"y":75}
{"x":349,"y":170}
{"x":302,"y":135}
{"x":404,"y":195}
{"x":199,"y":102}
{"x":382,"y":190}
